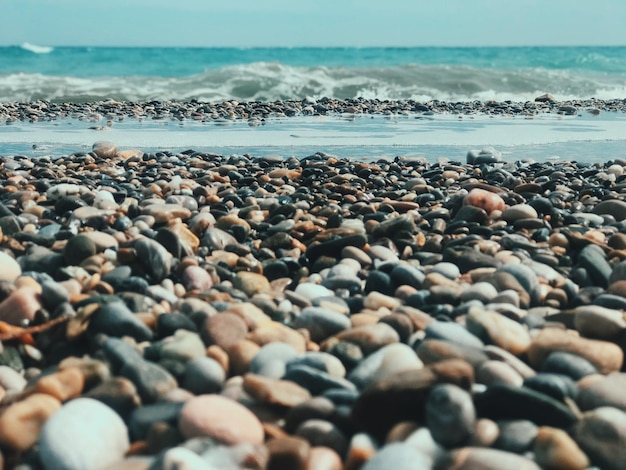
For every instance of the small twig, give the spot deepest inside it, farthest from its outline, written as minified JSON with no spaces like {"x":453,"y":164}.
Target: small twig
{"x":9,"y":332}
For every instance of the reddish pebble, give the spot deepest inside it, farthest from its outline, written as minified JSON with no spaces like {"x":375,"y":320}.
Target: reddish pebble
{"x":219,"y":418}
{"x":485,"y":200}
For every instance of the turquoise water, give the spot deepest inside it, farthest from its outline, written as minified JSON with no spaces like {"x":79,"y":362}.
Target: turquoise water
{"x":30,"y":72}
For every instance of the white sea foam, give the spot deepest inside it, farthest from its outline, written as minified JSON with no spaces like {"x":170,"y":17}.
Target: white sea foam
{"x":34,"y":48}
{"x":269,"y":81}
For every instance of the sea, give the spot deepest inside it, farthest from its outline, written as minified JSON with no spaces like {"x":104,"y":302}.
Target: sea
{"x":31,"y":72}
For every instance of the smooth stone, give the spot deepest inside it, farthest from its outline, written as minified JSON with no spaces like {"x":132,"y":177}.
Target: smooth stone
{"x":165,"y":212}
{"x":20,"y":306}
{"x":270,"y":361}
{"x":315,"y":408}
{"x":471,"y":458}
{"x":219,"y":418}
{"x":10,"y":269}
{"x":275,"y":392}
{"x":449,"y":270}
{"x":519,"y":211}
{"x":606,"y":357}
{"x":595,"y":391}
{"x":21,"y":422}
{"x":492,"y":372}
{"x":144,"y":417}
{"x":196,"y":278}
{"x":499,"y":354}
{"x":217,"y":239}
{"x":334,"y":246}
{"x":321,"y":433}
{"x":559,"y":387}
{"x":224,"y":330}
{"x":527,"y":279}
{"x":277,"y":332}
{"x":251,"y":283}
{"x":117,"y":393}
{"x":312,"y":291}
{"x":406,"y":275}
{"x":319,"y":360}
{"x":240,"y":356}
{"x":316,"y":381}
{"x":431,"y":351}
{"x":481,"y":291}
{"x":494,"y":328}
{"x":203,"y":375}
{"x":516,"y":436}
{"x":116,"y":319}
{"x":485,"y":200}
{"x":369,"y":338}
{"x":454,"y":333}
{"x":568,"y":364}
{"x":104,"y":149}
{"x":11,"y":380}
{"x":63,"y":385}
{"x":613,"y":207}
{"x":399,"y":456}
{"x":468,"y":259}
{"x":450,"y":415}
{"x":321,"y":323}
{"x":402,"y":396}
{"x":554,"y":448}
{"x":506,"y":402}
{"x":288,"y":453}
{"x":601,"y":434}
{"x":154,"y":258}
{"x":69,"y":441}
{"x":385,"y":362}
{"x":152,"y":381}
{"x":378,"y":281}
{"x":598,"y":322}
{"x":183,"y":345}
{"x":593,"y":259}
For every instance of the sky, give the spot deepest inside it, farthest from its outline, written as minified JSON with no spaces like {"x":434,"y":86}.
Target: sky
{"x":323,"y":23}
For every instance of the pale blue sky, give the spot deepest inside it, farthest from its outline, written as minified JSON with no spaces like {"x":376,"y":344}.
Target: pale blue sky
{"x":248,"y":23}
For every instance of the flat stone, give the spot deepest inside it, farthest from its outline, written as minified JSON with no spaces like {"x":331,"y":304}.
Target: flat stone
{"x":116,"y":319}
{"x":516,"y":435}
{"x":519,"y":211}
{"x":219,"y":418}
{"x":163,"y":212}
{"x":506,"y":402}
{"x":104,"y":149}
{"x":63,"y":385}
{"x":594,"y":260}
{"x":605,"y":356}
{"x":454,"y":333}
{"x":275,"y":392}
{"x":369,"y":337}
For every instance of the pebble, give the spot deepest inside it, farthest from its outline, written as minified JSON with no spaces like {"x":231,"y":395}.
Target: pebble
{"x":345,"y":302}
{"x":69,"y":441}
{"x":221,"y":419}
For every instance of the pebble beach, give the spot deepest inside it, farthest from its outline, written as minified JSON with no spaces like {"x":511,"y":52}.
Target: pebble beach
{"x":192,"y":310}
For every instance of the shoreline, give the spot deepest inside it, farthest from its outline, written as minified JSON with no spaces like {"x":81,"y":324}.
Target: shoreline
{"x":258,"y":111}
{"x":240,"y":309}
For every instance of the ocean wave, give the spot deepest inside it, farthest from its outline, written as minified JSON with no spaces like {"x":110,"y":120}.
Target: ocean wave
{"x":270,"y":81}
{"x":34,"y":48}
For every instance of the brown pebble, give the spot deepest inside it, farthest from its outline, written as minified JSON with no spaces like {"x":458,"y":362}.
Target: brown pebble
{"x":555,"y":449}
{"x":288,"y":453}
{"x":62,"y":385}
{"x":224,"y":330}
{"x":274,"y":391}
{"x":21,"y":422}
